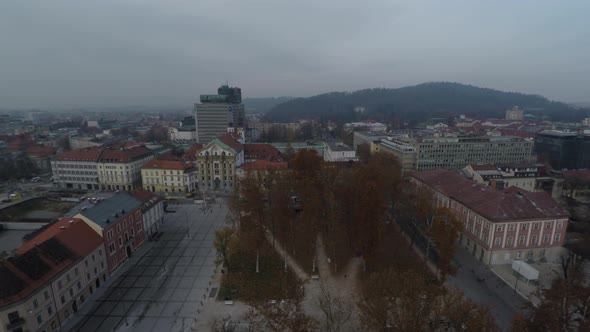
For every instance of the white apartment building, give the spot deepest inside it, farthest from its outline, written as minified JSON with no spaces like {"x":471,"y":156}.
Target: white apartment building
{"x":338,"y":152}
{"x":76,"y":169}
{"x":119,"y":168}
{"x":43,"y":296}
{"x":152,"y":210}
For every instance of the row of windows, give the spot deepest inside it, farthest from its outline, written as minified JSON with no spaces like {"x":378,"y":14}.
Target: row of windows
{"x":536,"y":226}
{"x":91,"y":166}
{"x":521,"y":240}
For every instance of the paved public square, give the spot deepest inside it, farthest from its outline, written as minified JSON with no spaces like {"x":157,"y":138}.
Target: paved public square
{"x":167,"y":282}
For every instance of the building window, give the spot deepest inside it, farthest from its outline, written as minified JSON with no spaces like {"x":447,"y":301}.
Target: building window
{"x":497,"y":241}
{"x":59,"y":284}
{"x":546,"y":238}
{"x":559,"y":224}
{"x":557,"y":237}
{"x":50,"y":310}
{"x":536,"y":225}
{"x":46,"y":295}
{"x":63,"y":299}
{"x":39,"y":320}
{"x":76,"y":271}
{"x":523,"y":227}
{"x":79,"y":285}
{"x":511,"y":227}
{"x":499,"y":228}
{"x":534,"y":240}
{"x":548,"y":225}
{"x":68,"y":278}
{"x":509,"y":240}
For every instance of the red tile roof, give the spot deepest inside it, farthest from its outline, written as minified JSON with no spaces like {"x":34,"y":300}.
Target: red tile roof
{"x":581,"y":175}
{"x":86,"y":154}
{"x":41,"y":151}
{"x":76,"y":235}
{"x":483,"y":167}
{"x":168,"y":164}
{"x":231,"y":140}
{"x":123,"y":155}
{"x":25,"y":273}
{"x":20,"y":142}
{"x":191,"y":153}
{"x":147,"y":197}
{"x":261,"y":151}
{"x":260,"y":165}
{"x":495,"y":205}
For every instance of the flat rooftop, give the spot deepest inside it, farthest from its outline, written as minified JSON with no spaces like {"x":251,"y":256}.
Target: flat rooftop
{"x":11,"y":239}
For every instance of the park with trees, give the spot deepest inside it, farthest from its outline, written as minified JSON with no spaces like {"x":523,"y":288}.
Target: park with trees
{"x":340,"y":223}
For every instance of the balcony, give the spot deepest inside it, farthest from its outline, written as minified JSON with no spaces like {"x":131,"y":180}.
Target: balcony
{"x":15,"y":323}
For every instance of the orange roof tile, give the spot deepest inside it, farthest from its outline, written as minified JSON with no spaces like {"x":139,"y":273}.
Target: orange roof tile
{"x":86,"y":154}
{"x":231,"y":140}
{"x":124,"y":154}
{"x":74,"y":233}
{"x":495,"y":205}
{"x":167,"y":164}
{"x":191,"y":153}
{"x":261,"y":151}
{"x":261,"y":164}
{"x":41,"y":151}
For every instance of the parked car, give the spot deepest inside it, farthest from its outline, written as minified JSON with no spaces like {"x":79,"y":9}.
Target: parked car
{"x":36,"y":179}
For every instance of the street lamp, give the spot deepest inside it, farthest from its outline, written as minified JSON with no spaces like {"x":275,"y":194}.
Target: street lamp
{"x":517,"y":275}
{"x":188,"y":232}
{"x":124,"y":308}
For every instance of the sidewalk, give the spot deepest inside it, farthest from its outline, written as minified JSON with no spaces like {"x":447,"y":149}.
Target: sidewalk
{"x":76,"y":319}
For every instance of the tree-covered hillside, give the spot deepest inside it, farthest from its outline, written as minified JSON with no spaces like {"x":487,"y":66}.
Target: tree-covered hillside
{"x":416,"y":103}
{"x":262,"y":105}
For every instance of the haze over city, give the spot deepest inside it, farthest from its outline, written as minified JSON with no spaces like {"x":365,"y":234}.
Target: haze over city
{"x":113,"y":53}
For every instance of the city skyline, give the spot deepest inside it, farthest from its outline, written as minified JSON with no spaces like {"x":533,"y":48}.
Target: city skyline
{"x":69,"y":54}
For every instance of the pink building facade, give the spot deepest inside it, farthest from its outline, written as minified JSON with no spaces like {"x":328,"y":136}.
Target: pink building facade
{"x":499,"y":225}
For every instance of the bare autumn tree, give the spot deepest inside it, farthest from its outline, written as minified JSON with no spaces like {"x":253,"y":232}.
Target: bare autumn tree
{"x":336,"y":308}
{"x":283,"y":316}
{"x":252,"y":210}
{"x":395,"y":300}
{"x":306,"y":162}
{"x":224,"y":239}
{"x":408,"y":301}
{"x":444,"y":231}
{"x":453,"y":310}
{"x":565,"y":305}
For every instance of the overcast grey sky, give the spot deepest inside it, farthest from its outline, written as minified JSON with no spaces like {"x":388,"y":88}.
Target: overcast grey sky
{"x":115,"y":52}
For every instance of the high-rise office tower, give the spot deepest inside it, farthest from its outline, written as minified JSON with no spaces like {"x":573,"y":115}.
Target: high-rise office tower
{"x":216,"y":114}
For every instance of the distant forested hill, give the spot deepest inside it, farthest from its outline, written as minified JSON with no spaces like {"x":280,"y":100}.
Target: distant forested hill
{"x":417,"y":103}
{"x":262,"y":105}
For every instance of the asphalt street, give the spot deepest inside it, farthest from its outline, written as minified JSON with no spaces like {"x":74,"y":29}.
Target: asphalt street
{"x":482,"y":286}
{"x":164,"y":286}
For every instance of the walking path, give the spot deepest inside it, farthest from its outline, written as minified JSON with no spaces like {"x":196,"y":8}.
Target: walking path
{"x":301,"y":274}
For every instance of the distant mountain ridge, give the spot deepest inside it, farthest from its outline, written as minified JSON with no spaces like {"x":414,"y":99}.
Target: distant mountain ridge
{"x":419,"y":102}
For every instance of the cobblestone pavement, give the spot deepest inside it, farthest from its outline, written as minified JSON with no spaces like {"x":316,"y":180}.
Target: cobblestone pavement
{"x":165,"y":286}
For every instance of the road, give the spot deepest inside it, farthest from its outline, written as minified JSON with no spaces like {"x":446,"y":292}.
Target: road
{"x":491,"y":291}
{"x":165,"y":284}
